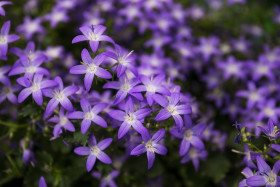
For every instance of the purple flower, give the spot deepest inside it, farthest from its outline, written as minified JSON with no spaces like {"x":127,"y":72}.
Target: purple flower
{"x":56,"y":16}
{"x":30,"y":27}
{"x":62,"y":122}
{"x":189,"y":135}
{"x":28,"y":156}
{"x":42,"y":182}
{"x":59,"y":96}
{"x":231,"y":67}
{"x":194,"y":155}
{"x":231,"y":2}
{"x":247,"y":172}
{"x":130,"y":118}
{"x":107,"y":180}
{"x":95,"y":150}
{"x":152,"y":86}
{"x":125,"y":87}
{"x":94,"y":34}
{"x":272,"y":131}
{"x":2,"y":11}
{"x":265,"y":176}
{"x":5,"y":38}
{"x":4,"y":79}
{"x":91,"y":68}
{"x":208,"y":47}
{"x":8,"y":92}
{"x":122,"y":59}
{"x":29,"y":68}
{"x":171,"y":108}
{"x":151,"y":146}
{"x":89,"y":115}
{"x":34,"y":87}
{"x":268,"y":110}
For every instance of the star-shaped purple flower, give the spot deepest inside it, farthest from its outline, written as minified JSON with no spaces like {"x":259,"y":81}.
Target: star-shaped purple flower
{"x":95,"y":150}
{"x":151,"y":146}
{"x":272,"y":131}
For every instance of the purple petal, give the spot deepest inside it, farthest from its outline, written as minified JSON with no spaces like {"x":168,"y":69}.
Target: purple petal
{"x":12,"y":38}
{"x":79,"y":38}
{"x":174,"y":99}
{"x":120,"y":97}
{"x":117,"y":114}
{"x":151,"y":159}
{"x":79,"y":69}
{"x":38,"y":97}
{"x":162,"y":101}
{"x":276,"y":167}
{"x":76,"y":115}
{"x":86,"y":56}
{"x":104,"y":143}
{"x":86,"y":106}
{"x":23,"y":95}
{"x":99,"y":121}
{"x":103,"y":157}
{"x":262,"y":165}
{"x":103,"y":73}
{"x":158,"y":135}
{"x":256,"y":180}
{"x":53,"y":103}
{"x":196,"y":142}
{"x":139,"y":149}
{"x":70,"y":90}
{"x":184,"y":147}
{"x":106,"y":38}
{"x":94,"y":45}
{"x":184,"y":109}
{"x":99,"y":29}
{"x":160,"y":149}
{"x":90,"y":162}
{"x":5,"y":28}
{"x":69,"y":126}
{"x":66,"y":103}
{"x":123,"y":129}
{"x":142,"y":113}
{"x":88,"y":80}
{"x":92,"y":140}
{"x":179,"y":121}
{"x":83,"y":151}
{"x":85,"y":125}
{"x":98,"y":108}
{"x":162,"y":115}
{"x":57,"y":130}
{"x":42,"y":182}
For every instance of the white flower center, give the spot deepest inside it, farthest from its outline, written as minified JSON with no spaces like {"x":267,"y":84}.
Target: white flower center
{"x":150,"y":146}
{"x":232,"y":68}
{"x":91,"y":68}
{"x":172,"y":109}
{"x":193,"y":153}
{"x":35,"y":87}
{"x":31,"y":69}
{"x":94,"y":150}
{"x":262,"y":69}
{"x":63,"y":120}
{"x":208,"y":48}
{"x":3,"y":39}
{"x":58,"y":16}
{"x":151,"y":88}
{"x":188,"y":135}
{"x":254,"y":96}
{"x":92,"y":36}
{"x":59,"y":95}
{"x":269,"y":112}
{"x":89,"y":115}
{"x":270,"y":179}
{"x":130,"y":118}
{"x":6,"y":90}
{"x":125,"y":87}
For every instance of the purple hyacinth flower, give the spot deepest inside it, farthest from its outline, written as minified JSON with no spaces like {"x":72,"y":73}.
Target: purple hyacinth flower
{"x":190,"y":135}
{"x":8,"y":92}
{"x":2,"y":3}
{"x":62,"y":122}
{"x":59,"y":95}
{"x":91,"y":68}
{"x":125,"y":87}
{"x":123,"y":59}
{"x":195,"y":155}
{"x":5,"y":38}
{"x":34,"y":87}
{"x":152,"y":86}
{"x":266,"y":176}
{"x":29,"y":68}
{"x":247,"y":172}
{"x":4,"y":79}
{"x":272,"y":131}
{"x":94,"y":34}
{"x":130,"y":118}
{"x":107,"y":180}
{"x":42,"y":182}
{"x":89,"y":114}
{"x":151,"y":146}
{"x":95,"y":150}
{"x":171,"y":108}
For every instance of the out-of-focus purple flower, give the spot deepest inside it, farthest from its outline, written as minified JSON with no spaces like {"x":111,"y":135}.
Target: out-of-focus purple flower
{"x":125,"y":87}
{"x":3,"y":78}
{"x":151,"y":145}
{"x":262,"y":68}
{"x":272,"y":131}
{"x":28,"y":156}
{"x":253,"y":95}
{"x":122,"y":59}
{"x":91,"y":68}
{"x":62,"y":122}
{"x":231,"y":2}
{"x":30,"y":27}
{"x":5,"y":38}
{"x":94,"y":34}
{"x":171,"y":108}
{"x":29,"y":68}
{"x":7,"y":91}
{"x":89,"y":114}
{"x":195,"y":155}
{"x":42,"y":182}
{"x":158,"y":41}
{"x":152,"y":86}
{"x":276,"y":147}
{"x":268,"y":109}
{"x":34,"y":87}
{"x":59,"y":96}
{"x":232,"y":68}
{"x":196,"y":12}
{"x":189,"y":135}
{"x":2,"y":3}
{"x":95,"y":150}
{"x":93,"y":18}
{"x":107,"y":180}
{"x":53,"y":52}
{"x":130,"y":118}
{"x":241,"y":45}
{"x":56,"y":16}
{"x":266,"y":176}
{"x":208,"y":47}
{"x":66,"y":4}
